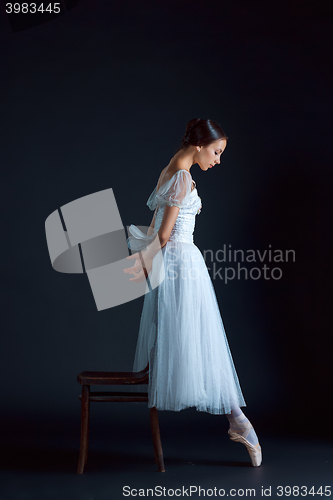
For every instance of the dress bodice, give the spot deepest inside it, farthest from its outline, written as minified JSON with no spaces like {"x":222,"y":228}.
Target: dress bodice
{"x":184,"y":226}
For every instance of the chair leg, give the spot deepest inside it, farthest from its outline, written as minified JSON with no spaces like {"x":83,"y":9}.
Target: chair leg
{"x":84,"y":428}
{"x":87,"y":450}
{"x":155,"y":428}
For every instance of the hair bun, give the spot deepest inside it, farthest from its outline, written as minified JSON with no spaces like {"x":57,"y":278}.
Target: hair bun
{"x":191,"y":124}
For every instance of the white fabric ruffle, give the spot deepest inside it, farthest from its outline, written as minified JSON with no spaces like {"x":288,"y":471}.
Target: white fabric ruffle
{"x":139,"y":240}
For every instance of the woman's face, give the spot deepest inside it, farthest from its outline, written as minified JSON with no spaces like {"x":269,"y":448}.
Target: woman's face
{"x":209,"y":156}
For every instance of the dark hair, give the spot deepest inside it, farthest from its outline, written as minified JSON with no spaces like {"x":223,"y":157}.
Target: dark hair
{"x":201,"y":132}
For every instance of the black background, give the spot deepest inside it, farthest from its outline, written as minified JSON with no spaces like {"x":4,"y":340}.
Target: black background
{"x":99,"y":97}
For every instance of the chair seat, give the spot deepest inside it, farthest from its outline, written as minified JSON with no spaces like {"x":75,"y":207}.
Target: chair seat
{"x":112,"y":378}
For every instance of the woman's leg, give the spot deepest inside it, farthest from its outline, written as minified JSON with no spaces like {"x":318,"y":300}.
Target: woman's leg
{"x":238,"y":423}
{"x":241,"y":431}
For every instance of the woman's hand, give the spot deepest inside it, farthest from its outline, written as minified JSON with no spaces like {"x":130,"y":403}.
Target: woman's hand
{"x":141,"y":268}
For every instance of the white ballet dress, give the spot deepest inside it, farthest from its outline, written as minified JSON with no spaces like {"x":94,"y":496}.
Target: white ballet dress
{"x":181,"y":332}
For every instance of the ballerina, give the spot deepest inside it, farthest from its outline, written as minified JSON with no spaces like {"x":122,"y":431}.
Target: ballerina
{"x":181,"y":333}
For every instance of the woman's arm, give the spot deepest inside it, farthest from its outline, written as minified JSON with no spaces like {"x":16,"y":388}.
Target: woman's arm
{"x":168,"y":221}
{"x":152,"y":224}
{"x":169,"y":218}
{"x":144,"y":259}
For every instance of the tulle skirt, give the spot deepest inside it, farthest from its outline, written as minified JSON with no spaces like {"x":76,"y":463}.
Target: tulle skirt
{"x":182,"y":337}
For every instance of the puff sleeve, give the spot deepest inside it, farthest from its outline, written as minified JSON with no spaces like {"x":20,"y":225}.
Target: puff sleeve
{"x":173,"y":192}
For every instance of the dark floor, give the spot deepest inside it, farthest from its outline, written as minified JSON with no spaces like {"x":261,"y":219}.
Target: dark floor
{"x":39,"y":460}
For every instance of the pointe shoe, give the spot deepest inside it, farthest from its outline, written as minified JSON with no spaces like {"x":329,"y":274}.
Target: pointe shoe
{"x":254,"y":451}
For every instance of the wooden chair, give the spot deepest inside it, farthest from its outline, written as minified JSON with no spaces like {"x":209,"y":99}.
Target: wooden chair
{"x":88,"y":378}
